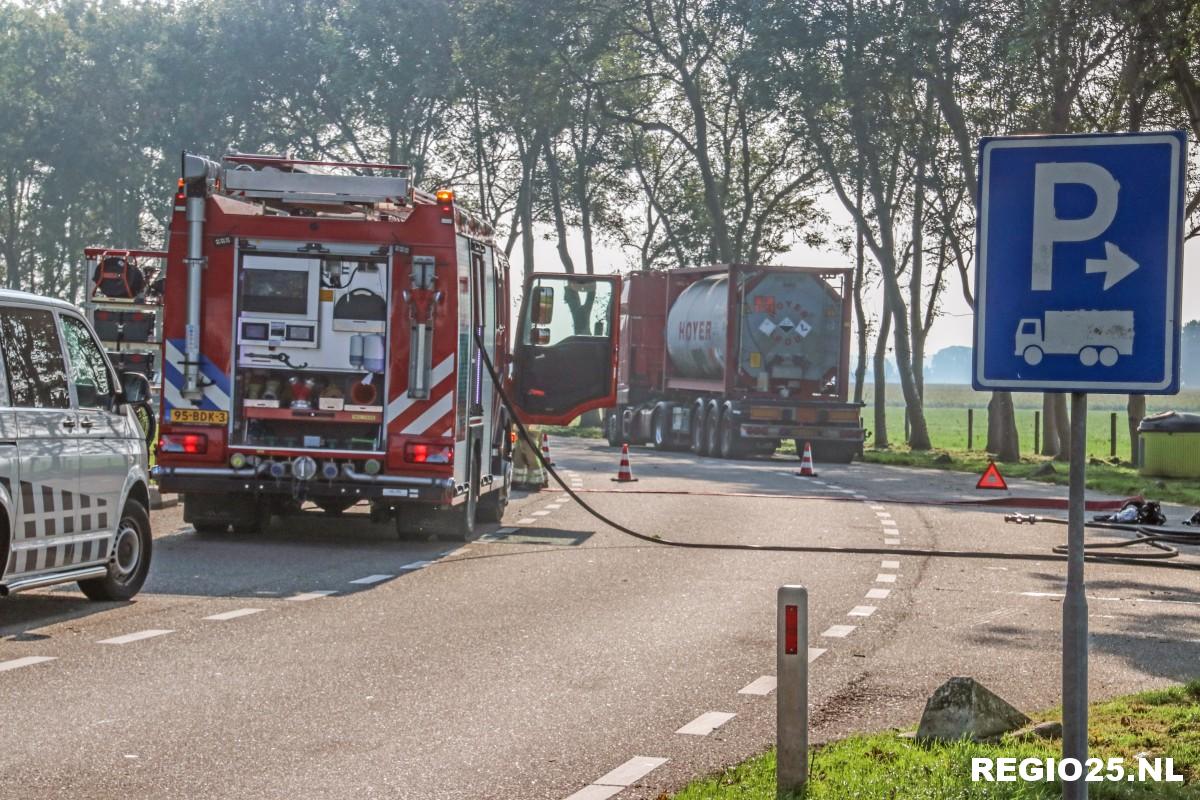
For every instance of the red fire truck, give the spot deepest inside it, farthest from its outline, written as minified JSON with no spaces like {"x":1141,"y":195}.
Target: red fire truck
{"x":323,"y":333}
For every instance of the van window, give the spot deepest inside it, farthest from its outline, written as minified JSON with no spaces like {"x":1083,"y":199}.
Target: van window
{"x":89,"y":372}
{"x":37,"y":374}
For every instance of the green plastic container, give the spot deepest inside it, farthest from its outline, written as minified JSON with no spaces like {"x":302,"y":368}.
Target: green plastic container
{"x":1170,"y":445}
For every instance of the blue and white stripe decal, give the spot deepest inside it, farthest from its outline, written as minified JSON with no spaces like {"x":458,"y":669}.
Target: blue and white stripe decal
{"x":216,"y":393}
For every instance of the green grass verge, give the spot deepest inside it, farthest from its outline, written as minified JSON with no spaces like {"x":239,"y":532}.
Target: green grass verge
{"x":882,"y":766}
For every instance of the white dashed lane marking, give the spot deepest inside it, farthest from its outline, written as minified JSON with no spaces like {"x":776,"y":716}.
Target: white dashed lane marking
{"x":891,"y":541}
{"x":541,"y":513}
{"x":625,"y":775}
{"x":706,"y":723}
{"x":878,"y":594}
{"x":839,"y":631}
{"x":553,"y":507}
{"x":888,"y":523}
{"x":135,"y":637}
{"x":228,"y":615}
{"x":884,"y":578}
{"x":27,"y":661}
{"x":369,"y":579}
{"x":815,"y":652}
{"x":862,"y":611}
{"x":890,"y":565}
{"x":878,"y":508}
{"x":526,"y":521}
{"x":760,"y":686}
{"x":305,"y":596}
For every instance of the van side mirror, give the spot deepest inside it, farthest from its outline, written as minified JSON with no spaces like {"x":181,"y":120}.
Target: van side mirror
{"x":543,"y":305}
{"x":134,"y":387}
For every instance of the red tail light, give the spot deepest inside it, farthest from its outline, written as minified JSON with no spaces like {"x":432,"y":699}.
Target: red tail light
{"x":425,"y":453}
{"x":187,"y":443}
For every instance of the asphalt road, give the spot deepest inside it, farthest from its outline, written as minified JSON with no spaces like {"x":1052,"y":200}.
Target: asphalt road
{"x":557,"y":657}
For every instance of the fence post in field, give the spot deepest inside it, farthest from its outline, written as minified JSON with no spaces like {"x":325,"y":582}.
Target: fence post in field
{"x":1112,"y":434}
{"x":970,"y":429}
{"x":1037,"y":432}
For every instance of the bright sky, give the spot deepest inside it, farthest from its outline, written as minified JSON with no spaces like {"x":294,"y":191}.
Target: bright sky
{"x":954,"y":327}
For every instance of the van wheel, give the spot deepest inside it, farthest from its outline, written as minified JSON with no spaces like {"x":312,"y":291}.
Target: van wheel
{"x":131,"y":557}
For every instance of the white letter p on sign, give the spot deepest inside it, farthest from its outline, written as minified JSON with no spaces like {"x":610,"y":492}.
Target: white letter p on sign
{"x":1048,"y":228}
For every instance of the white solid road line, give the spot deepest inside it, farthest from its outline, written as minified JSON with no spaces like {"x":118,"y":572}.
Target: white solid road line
{"x":227,"y":615}
{"x":135,"y":637}
{"x":882,"y":578}
{"x":760,"y":686}
{"x":706,"y":723}
{"x":890,"y":565}
{"x":27,"y":661}
{"x":368,"y":580}
{"x":839,"y":631}
{"x":878,"y":594}
{"x":303,"y":596}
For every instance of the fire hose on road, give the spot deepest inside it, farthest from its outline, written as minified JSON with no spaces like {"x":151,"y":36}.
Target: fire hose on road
{"x":1057,"y":555}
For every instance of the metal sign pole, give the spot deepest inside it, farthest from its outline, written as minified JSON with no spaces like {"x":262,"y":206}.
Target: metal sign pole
{"x":1075,"y":609}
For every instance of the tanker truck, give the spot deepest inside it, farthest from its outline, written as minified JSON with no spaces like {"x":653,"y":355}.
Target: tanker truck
{"x":732,"y":360}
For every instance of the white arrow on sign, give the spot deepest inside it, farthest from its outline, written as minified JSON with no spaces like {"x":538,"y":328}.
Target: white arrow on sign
{"x":1115,"y":265}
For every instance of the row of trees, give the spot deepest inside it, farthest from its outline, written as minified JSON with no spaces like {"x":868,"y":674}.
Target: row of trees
{"x":682,"y":131}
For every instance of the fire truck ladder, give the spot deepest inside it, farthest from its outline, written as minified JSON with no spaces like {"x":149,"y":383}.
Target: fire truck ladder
{"x":268,"y":177}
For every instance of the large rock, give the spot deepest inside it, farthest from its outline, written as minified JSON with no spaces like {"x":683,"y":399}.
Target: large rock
{"x":963,"y":708}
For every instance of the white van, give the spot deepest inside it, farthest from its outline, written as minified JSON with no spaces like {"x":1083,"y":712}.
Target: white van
{"x":73,"y":472}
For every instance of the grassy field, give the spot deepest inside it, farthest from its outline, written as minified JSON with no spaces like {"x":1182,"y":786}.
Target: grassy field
{"x":883,"y":766}
{"x":946,"y":414}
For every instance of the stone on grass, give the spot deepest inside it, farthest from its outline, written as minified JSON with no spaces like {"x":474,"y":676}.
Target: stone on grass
{"x":1045,"y":469}
{"x":961,"y":707}
{"x":1043,"y":730}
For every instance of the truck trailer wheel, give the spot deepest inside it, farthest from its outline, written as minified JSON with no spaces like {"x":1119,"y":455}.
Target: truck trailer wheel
{"x":728,"y":438}
{"x":612,"y":429}
{"x":131,"y":557}
{"x":698,"y":438}
{"x":712,"y":423}
{"x":662,"y":427}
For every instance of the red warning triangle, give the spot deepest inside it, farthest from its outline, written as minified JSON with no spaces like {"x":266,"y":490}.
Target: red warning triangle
{"x":991,"y":478}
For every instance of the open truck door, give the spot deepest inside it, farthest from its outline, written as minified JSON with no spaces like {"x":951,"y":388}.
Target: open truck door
{"x":565,"y":357}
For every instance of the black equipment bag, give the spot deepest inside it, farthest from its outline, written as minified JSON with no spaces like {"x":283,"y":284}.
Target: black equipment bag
{"x":360,"y":304}
{"x":116,"y":277}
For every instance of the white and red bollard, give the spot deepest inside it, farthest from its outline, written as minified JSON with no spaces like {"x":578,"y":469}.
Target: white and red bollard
{"x":806,"y":463}
{"x":546,"y":459}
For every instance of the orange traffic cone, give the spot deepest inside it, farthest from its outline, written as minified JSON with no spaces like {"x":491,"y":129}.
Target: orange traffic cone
{"x":546,"y":450}
{"x":624,"y":474}
{"x":806,"y":463}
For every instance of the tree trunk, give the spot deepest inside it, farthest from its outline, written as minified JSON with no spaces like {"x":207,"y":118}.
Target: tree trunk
{"x":860,"y":314}
{"x":1135,"y":410}
{"x":885,"y":325}
{"x":1004,"y":440}
{"x":590,"y":419}
{"x":1063,"y":418}
{"x":1049,"y":426}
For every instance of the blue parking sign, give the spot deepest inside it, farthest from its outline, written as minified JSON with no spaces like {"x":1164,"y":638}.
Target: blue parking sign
{"x":1079,"y":250}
